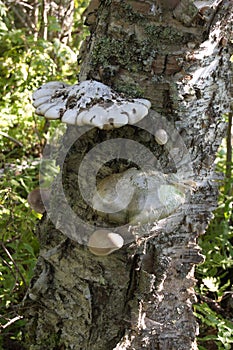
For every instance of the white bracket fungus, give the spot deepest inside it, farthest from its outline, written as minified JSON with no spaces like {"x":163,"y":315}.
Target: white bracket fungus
{"x":88,"y":103}
{"x":136,"y":197}
{"x":103,"y":242}
{"x":38,"y":199}
{"x":161,"y":136}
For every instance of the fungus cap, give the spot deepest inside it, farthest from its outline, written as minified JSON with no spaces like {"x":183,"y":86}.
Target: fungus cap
{"x":103,"y":242}
{"x":161,"y":136}
{"x":88,"y":103}
{"x":38,"y":199}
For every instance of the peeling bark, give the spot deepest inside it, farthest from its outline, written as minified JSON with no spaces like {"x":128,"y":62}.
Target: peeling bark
{"x":140,"y":296}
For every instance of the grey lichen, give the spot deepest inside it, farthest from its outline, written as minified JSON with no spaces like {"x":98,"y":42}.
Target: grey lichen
{"x":130,"y":89}
{"x":112,"y":49}
{"x":157,"y":33}
{"x":131,"y":14}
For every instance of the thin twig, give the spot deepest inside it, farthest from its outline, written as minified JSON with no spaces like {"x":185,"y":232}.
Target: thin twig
{"x":13,"y":239}
{"x":22,"y":19}
{"x":14,"y":263}
{"x":11,"y":138}
{"x":9,"y":266}
{"x":13,"y":320}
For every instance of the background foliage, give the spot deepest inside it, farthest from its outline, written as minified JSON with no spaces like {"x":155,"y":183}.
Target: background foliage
{"x":214,"y":309}
{"x":28,"y":58}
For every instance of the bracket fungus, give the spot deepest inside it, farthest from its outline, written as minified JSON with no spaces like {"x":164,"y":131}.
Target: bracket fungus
{"x":161,"y":136}
{"x":103,"y":242}
{"x":138,"y":197}
{"x":88,"y":103}
{"x":38,"y":199}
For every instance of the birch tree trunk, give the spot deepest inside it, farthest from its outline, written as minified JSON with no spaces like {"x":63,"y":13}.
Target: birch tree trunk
{"x":139,"y":297}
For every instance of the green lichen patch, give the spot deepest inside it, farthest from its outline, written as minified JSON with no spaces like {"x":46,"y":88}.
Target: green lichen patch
{"x":111,"y":51}
{"x":130,"y":89}
{"x":168,"y":34}
{"x":126,"y":10}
